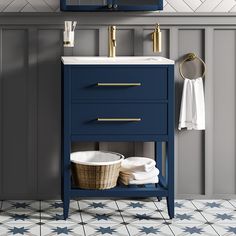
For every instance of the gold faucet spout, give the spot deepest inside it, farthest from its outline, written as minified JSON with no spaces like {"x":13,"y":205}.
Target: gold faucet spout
{"x":156,"y":37}
{"x":112,"y":41}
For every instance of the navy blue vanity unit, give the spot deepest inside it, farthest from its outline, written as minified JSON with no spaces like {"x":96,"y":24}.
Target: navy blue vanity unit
{"x":119,"y":99}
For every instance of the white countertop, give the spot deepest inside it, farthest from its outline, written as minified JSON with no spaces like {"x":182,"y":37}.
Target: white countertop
{"x":133,"y":60}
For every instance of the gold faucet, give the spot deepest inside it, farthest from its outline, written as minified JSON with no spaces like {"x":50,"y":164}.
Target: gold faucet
{"x":112,"y":41}
{"x":156,"y":38}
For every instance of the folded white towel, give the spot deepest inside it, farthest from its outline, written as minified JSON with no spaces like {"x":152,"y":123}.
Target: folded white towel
{"x":135,"y":164}
{"x":192,"y":112}
{"x":140,"y":175}
{"x":137,"y":182}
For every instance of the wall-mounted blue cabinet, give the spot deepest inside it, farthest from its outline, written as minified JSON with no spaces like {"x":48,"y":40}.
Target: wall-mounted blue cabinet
{"x":111,"y":5}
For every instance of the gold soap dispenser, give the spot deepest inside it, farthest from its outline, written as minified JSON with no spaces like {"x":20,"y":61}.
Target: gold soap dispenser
{"x":156,"y":38}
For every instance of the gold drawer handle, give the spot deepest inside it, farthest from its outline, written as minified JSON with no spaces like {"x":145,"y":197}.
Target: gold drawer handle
{"x":118,"y":84}
{"x":119,"y":119}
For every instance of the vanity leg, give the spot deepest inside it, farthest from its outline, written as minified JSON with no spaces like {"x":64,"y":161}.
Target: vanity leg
{"x":159,"y":199}
{"x":158,"y":159}
{"x":171,"y":206}
{"x":66,"y":185}
{"x":66,"y":206}
{"x":170,"y":179}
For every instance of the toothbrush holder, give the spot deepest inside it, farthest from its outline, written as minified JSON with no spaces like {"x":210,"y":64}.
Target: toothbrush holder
{"x":69,"y":38}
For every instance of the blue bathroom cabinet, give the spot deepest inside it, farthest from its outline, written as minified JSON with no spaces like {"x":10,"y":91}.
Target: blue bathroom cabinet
{"x":111,"y":5}
{"x":150,"y":97}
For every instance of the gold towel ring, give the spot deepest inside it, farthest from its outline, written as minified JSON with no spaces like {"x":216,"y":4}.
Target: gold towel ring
{"x":191,"y":57}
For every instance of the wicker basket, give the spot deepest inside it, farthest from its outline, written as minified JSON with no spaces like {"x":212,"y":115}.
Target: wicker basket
{"x":95,"y":169}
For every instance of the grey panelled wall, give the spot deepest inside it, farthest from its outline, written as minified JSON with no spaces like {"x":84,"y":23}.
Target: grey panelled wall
{"x":30,"y":50}
{"x":48,"y":104}
{"x":190,"y":163}
{"x":14,"y":110}
{"x":224,"y":111}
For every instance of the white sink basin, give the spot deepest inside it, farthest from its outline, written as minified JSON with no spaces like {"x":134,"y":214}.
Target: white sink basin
{"x":116,"y":60}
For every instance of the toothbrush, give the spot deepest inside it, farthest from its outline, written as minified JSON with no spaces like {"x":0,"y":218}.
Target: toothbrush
{"x":74,"y":25}
{"x":69,"y":26}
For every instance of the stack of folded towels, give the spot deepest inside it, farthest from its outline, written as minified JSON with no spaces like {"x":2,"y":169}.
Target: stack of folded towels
{"x":138,"y":170}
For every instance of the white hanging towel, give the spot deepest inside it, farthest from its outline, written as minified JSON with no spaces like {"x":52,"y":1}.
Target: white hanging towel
{"x":192,"y":112}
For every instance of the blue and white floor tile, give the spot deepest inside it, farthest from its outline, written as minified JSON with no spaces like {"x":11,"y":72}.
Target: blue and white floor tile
{"x":225,"y":217}
{"x":192,"y":229}
{"x":133,"y":217}
{"x":100,"y":212}
{"x":20,"y":212}
{"x":185,"y":212}
{"x":53,"y":223}
{"x":213,"y":205}
{"x":52,"y":212}
{"x":62,"y":230}
{"x":149,"y":229}
{"x":136,"y":204}
{"x":225,"y":229}
{"x":105,"y":229}
{"x":139,"y":212}
{"x":101,"y":217}
{"x":143,"y":217}
{"x":233,"y":202}
{"x":98,"y":205}
{"x":220,"y":214}
{"x":20,"y":218}
{"x":20,"y":229}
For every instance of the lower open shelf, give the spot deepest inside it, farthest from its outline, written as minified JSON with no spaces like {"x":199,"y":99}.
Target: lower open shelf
{"x":149,"y":190}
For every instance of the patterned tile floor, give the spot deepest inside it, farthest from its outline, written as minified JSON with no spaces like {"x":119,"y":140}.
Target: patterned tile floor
{"x":118,"y":217}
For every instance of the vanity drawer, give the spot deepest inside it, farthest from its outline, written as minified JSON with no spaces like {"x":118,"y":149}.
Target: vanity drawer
{"x":119,"y":82}
{"x":128,"y":118}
